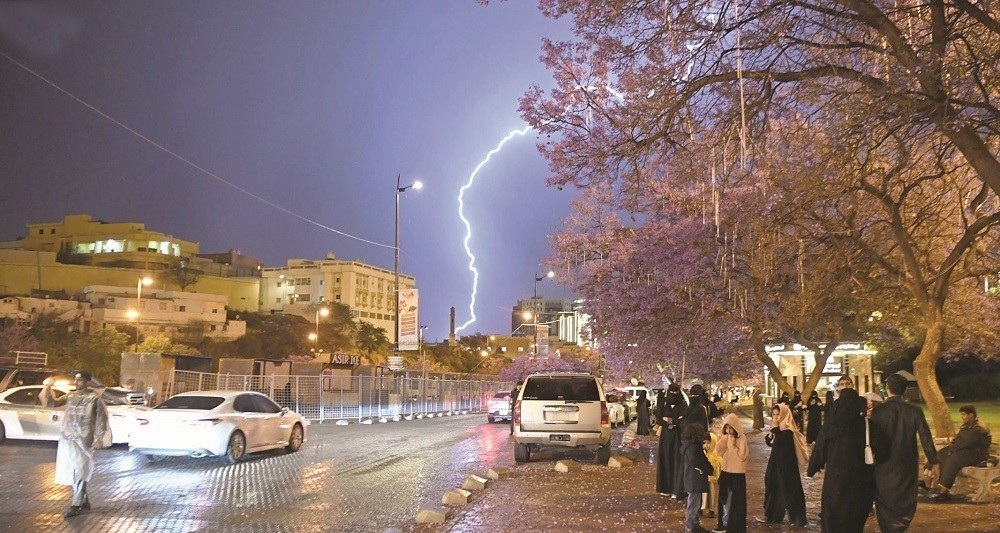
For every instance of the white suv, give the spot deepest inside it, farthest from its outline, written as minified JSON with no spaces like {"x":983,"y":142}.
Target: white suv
{"x":561,"y":409}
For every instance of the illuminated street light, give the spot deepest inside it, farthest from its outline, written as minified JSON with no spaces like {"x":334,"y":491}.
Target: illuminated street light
{"x":320,"y":311}
{"x":550,"y":274}
{"x":399,"y":190}
{"x":136,"y":314}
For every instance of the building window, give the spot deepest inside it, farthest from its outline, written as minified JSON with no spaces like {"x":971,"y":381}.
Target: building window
{"x":41,"y":231}
{"x":52,"y":231}
{"x":337,"y":296}
{"x":182,"y":308}
{"x":303,"y":297}
{"x":212,"y":327}
{"x":303,"y":281}
{"x":215,"y":311}
{"x":277,"y":300}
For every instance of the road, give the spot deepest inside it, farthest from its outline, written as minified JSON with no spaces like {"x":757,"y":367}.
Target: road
{"x":345,"y":478}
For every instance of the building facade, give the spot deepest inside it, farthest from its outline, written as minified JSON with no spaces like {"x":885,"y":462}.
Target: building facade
{"x":796,"y":363}
{"x":303,"y":285}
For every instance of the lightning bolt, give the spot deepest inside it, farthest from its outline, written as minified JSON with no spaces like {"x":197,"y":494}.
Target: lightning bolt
{"x":468,"y":226}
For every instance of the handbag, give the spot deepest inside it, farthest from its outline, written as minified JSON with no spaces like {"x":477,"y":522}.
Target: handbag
{"x":869,"y":456}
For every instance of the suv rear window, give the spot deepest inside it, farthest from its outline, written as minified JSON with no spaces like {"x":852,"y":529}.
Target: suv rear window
{"x":579,"y":388}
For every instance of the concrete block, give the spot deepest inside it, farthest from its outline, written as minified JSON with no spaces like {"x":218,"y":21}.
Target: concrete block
{"x":620,"y":461}
{"x":474,"y":482}
{"x":500,"y":472}
{"x":432,"y":515}
{"x":455,"y":496}
{"x":566,"y":465}
{"x":366,"y":421}
{"x":342,"y":423}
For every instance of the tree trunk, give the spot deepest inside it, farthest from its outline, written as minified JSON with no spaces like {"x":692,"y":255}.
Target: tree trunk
{"x":923,"y":370}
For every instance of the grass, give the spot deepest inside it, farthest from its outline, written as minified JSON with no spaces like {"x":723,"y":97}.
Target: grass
{"x":989,"y":414}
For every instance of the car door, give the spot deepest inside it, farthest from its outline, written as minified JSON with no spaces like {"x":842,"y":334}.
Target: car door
{"x":273,"y":427}
{"x":249,"y":420}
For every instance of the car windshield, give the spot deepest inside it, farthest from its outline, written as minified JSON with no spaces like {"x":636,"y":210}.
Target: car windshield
{"x":198,"y":403}
{"x":502,"y":395}
{"x":579,"y":388}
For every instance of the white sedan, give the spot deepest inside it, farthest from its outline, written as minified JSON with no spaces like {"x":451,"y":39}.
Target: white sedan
{"x":217,"y":423}
{"x":22,"y":415}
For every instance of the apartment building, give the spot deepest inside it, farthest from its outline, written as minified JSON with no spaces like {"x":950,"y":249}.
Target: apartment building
{"x":303,"y":285}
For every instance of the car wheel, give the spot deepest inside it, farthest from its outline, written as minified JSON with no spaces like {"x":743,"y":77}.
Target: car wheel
{"x":295,"y":439}
{"x":522,"y":454}
{"x":237,"y":447}
{"x":490,"y":419}
{"x":603,"y":455}
{"x":3,"y":433}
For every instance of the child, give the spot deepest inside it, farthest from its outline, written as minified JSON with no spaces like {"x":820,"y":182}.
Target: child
{"x":712,"y":501}
{"x":695,"y":474}
{"x":735,"y":452}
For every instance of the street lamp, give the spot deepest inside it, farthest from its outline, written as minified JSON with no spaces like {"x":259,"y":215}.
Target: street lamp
{"x":321,"y":311}
{"x":550,"y":274}
{"x":423,"y":368}
{"x":133,"y":315}
{"x":143,"y":280}
{"x":399,"y":189}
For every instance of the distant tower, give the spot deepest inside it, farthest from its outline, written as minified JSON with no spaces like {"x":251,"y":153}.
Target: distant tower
{"x":451,"y":329}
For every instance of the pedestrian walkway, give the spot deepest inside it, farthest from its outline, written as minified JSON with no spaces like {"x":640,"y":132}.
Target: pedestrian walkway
{"x":623,"y":500}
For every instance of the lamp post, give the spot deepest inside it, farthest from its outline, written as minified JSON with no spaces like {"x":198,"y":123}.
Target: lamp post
{"x":423,"y":368}
{"x":399,"y":190}
{"x":321,"y":311}
{"x":550,"y":274}
{"x":147,"y":281}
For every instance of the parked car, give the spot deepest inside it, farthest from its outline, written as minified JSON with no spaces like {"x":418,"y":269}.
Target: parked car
{"x":217,"y":423}
{"x":22,"y":415}
{"x":616,"y":410}
{"x":561,"y":409}
{"x":499,"y":407}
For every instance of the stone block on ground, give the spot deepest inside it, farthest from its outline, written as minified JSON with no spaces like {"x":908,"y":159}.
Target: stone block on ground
{"x":474,"y":482}
{"x":620,"y":461}
{"x":432,"y":515}
{"x":455,"y":496}
{"x":500,"y":472}
{"x":567,"y":465}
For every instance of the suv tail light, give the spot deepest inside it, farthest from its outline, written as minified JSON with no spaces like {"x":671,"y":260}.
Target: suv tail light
{"x":517,"y":413}
{"x":605,"y":416}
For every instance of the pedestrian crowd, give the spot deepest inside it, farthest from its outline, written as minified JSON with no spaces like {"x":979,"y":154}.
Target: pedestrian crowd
{"x":866,"y":446}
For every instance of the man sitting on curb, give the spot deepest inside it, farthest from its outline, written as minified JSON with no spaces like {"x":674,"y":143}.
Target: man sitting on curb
{"x":969,"y":448}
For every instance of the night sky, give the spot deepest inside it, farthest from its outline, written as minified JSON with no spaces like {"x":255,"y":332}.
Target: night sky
{"x":312,"y":106}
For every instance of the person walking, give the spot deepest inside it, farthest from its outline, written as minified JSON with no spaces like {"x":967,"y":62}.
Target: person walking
{"x":758,"y":412}
{"x":84,"y":429}
{"x":814,"y":408}
{"x":798,"y":407}
{"x":695,"y":475}
{"x":848,"y":483}
{"x":969,"y":448}
{"x":642,"y":409}
{"x":669,"y":411}
{"x":782,"y":485}
{"x":735,"y":452}
{"x":895,"y":426}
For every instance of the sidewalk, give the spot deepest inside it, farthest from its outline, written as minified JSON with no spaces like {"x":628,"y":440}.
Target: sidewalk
{"x":623,"y":500}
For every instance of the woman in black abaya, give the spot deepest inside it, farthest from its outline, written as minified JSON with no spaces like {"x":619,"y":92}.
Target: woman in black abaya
{"x":642,"y":410}
{"x":815,"y":409}
{"x":782,"y":484}
{"x":670,"y":410}
{"x":848,"y":483}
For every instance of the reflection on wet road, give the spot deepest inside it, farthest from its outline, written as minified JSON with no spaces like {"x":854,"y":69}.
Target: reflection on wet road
{"x":345,"y":478}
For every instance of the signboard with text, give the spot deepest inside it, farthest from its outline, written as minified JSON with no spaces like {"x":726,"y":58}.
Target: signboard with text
{"x":409,"y":338}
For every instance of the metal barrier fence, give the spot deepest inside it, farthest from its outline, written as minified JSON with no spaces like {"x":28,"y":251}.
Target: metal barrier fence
{"x":322,"y":398}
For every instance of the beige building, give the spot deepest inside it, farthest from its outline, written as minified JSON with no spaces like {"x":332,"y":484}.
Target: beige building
{"x":174,"y":314}
{"x":303,"y":285}
{"x":25,"y":273}
{"x":80,"y":239}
